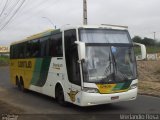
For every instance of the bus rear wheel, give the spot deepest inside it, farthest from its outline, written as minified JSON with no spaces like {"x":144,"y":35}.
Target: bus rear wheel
{"x":22,"y":85}
{"x":59,"y":95}
{"x":18,"y":83}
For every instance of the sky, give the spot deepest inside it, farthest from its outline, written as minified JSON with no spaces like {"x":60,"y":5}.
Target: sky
{"x":141,"y":16}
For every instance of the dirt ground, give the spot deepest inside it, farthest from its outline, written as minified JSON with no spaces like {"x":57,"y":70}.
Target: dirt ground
{"x":149,"y":77}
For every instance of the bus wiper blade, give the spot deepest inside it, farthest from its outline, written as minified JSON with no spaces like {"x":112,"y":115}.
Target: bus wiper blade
{"x":108,"y":78}
{"x":121,"y":77}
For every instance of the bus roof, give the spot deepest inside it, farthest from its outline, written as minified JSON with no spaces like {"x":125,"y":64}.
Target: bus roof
{"x":67,"y":27}
{"x":35,"y":36}
{"x":104,"y":26}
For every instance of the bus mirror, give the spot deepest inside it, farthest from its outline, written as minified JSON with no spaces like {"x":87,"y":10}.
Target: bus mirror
{"x":81,"y":49}
{"x":143,"y":55}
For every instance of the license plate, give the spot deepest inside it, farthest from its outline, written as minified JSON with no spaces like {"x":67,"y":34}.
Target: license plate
{"x":115,"y":97}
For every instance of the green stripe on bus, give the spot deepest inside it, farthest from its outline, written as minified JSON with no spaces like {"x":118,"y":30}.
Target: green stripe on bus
{"x":41,"y":71}
{"x":126,"y":85}
{"x":118,"y":86}
{"x":44,"y":71}
{"x":36,"y":72}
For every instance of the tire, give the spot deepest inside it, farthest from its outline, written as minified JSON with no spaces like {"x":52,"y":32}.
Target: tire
{"x":22,"y":85}
{"x":60,"y":96}
{"x":18,"y":83}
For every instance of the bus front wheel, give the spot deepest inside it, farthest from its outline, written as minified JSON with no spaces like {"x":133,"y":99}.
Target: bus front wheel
{"x":59,"y":95}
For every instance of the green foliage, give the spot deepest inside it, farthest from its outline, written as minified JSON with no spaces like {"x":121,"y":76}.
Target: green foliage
{"x":146,"y":41}
{"x":137,"y":51}
{"x":137,"y":39}
{"x":153,"y":49}
{"x":152,"y":46}
{"x":150,"y":50}
{"x":4,"y":60}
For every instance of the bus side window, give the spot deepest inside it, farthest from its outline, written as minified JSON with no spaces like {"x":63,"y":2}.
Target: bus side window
{"x":59,"y":50}
{"x":35,"y":48}
{"x":71,"y":55}
{"x":51,"y":46}
{"x":28,"y":49}
{"x":44,"y":51}
{"x":16,"y":51}
{"x":55,"y":46}
{"x":11,"y":52}
{"x":21,"y":50}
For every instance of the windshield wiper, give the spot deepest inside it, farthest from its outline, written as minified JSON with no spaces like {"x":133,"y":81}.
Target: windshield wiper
{"x":120,"y":76}
{"x":108,"y":79}
{"x":107,"y":70}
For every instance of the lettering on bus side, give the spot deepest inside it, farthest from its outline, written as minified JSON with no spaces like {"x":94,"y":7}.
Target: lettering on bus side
{"x":25,"y":64}
{"x":57,"y":66}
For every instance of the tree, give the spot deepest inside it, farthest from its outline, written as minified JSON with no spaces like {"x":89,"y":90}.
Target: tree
{"x":149,"y":42}
{"x":146,"y":41}
{"x":137,"y":39}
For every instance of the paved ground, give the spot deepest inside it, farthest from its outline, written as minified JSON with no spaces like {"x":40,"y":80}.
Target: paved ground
{"x":34,"y":103}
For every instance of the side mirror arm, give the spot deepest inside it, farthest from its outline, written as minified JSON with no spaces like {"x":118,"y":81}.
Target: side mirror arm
{"x":143,"y":50}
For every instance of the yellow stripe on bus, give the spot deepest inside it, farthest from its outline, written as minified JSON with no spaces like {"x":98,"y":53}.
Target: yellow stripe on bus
{"x":22,"y":68}
{"x":105,"y":88}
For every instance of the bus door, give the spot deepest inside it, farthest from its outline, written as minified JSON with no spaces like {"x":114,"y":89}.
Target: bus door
{"x":72,"y":65}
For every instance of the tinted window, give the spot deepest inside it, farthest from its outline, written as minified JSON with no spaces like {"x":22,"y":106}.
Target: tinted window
{"x":18,"y":51}
{"x":41,"y":47}
{"x":44,"y":45}
{"x":71,"y":55}
{"x":55,"y":45}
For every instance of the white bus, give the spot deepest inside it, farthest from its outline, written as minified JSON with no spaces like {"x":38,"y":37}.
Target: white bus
{"x":83,"y":65}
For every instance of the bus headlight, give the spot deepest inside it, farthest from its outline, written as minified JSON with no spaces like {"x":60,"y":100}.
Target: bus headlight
{"x":90,"y":90}
{"x":133,"y":86}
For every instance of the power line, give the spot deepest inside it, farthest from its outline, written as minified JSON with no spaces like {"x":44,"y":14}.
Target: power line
{"x":32,"y":6}
{"x":23,"y":13}
{"x":10,"y":10}
{"x":12,"y":15}
{"x":5,"y":6}
{"x":1,"y":2}
{"x":29,"y":18}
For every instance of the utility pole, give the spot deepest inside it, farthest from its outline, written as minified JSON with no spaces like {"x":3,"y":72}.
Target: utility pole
{"x":154,"y":35}
{"x":85,"y":12}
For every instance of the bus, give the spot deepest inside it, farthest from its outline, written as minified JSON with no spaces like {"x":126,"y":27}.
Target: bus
{"x":83,"y":65}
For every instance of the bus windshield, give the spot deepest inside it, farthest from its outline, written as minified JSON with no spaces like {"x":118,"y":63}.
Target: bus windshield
{"x":104,"y":36}
{"x":108,"y":63}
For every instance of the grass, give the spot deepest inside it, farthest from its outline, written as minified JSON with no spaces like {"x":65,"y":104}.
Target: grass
{"x":4,"y":60}
{"x":150,"y":50}
{"x":153,"y":49}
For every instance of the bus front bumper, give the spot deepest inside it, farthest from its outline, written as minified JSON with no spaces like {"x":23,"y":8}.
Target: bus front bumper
{"x":90,"y":99}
